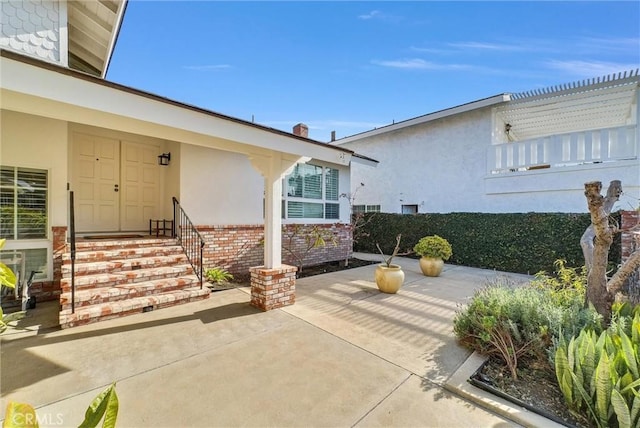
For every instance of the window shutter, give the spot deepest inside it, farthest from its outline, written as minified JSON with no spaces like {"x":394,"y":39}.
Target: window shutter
{"x":331,"y":179}
{"x":23,"y":203}
{"x":332,"y":211}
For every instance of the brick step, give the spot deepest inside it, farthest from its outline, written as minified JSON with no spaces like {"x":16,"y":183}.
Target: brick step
{"x":105,"y":311}
{"x":105,"y":267}
{"x":88,"y":256}
{"x":107,"y":244}
{"x":97,"y":296}
{"x":115,"y":279}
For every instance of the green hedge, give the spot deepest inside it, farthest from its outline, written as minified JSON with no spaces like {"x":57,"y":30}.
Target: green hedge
{"x":522,"y":243}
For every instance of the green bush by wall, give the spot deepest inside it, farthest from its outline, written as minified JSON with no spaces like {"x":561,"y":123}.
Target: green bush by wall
{"x":522,"y":243}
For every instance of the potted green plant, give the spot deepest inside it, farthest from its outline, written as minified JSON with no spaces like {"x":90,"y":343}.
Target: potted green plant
{"x":389,"y":277}
{"x":433,"y":251}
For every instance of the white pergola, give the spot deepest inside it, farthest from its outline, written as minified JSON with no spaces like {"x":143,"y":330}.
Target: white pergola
{"x":605,"y":102}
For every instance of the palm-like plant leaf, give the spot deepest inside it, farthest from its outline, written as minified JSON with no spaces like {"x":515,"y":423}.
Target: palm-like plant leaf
{"x":621,"y":409}
{"x":603,"y":388}
{"x":105,"y":404}
{"x":20,"y":415}
{"x":563,"y":373}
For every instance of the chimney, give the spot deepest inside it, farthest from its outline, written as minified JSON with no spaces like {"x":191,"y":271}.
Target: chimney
{"x":301,"y":130}
{"x":333,"y":136}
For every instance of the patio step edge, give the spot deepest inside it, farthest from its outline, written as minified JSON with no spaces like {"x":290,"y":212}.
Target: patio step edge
{"x":110,"y":310}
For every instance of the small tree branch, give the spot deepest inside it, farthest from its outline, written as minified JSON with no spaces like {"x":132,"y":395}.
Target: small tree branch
{"x":617,"y":280}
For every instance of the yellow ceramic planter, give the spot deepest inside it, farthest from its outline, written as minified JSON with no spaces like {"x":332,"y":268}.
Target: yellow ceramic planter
{"x":389,"y":279}
{"x":431,"y":266}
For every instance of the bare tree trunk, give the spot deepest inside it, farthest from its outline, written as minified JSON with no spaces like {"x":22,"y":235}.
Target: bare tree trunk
{"x":587,"y":240}
{"x":597,"y":292}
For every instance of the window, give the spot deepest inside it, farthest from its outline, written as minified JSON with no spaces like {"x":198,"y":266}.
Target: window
{"x":366,"y":209}
{"x":311,"y":191}
{"x":35,"y":260}
{"x":409,"y":209}
{"x":23,"y":203}
{"x":23,"y":216}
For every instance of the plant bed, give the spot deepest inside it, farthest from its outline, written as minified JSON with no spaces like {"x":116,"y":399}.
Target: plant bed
{"x":536,"y":389}
{"x":333,"y":267}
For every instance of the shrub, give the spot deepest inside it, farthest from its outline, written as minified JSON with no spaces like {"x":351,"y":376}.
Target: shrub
{"x":514,"y":322}
{"x":217,"y":275}
{"x":433,"y":246}
{"x":511,"y":242}
{"x":565,"y":285}
{"x":600,"y":375}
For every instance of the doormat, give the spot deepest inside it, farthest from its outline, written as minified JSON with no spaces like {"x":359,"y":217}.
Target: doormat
{"x":112,"y":236}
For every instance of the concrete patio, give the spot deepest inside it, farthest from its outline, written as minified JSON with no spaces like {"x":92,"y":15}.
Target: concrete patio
{"x":344,"y":355}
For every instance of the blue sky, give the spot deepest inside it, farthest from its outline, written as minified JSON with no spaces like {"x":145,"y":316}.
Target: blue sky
{"x":352,"y":66}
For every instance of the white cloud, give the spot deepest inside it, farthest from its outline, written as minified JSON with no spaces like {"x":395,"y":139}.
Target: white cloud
{"x":627,"y":45}
{"x":488,"y":46}
{"x":380,"y":16}
{"x":420,"y":64}
{"x":370,"y":15}
{"x":207,"y":67}
{"x":589,"y":69}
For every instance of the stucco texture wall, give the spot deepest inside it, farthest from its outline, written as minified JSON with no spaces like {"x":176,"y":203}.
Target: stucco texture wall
{"x":219,"y":188}
{"x":35,"y":142}
{"x":441,"y":166}
{"x":437,"y":166}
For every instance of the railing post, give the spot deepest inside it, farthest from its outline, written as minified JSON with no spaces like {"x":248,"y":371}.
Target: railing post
{"x":191,"y":241}
{"x":201,"y":267}
{"x":173,"y":229}
{"x":72,"y":237}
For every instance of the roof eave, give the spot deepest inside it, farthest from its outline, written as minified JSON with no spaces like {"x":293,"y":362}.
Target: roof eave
{"x":474,"y":105}
{"x":114,"y":37}
{"x":341,"y":155}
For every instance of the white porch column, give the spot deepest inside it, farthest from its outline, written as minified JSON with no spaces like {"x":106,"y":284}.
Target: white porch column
{"x":273,"y":213}
{"x":273,"y":285}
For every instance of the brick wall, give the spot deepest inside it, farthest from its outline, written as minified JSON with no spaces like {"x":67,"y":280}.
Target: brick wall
{"x":295,"y":239}
{"x":236,"y":248}
{"x":630,"y":241}
{"x":50,"y":290}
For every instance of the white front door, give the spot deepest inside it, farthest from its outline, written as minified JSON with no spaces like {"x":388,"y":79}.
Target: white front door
{"x":97,"y":184}
{"x":140,"y":189}
{"x":116,"y":184}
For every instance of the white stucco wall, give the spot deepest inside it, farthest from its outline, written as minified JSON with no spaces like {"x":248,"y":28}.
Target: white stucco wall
{"x":441,"y":166}
{"x":219,"y":187}
{"x":35,"y":142}
{"x":436,"y":166}
{"x":35,"y":27}
{"x":223,"y":188}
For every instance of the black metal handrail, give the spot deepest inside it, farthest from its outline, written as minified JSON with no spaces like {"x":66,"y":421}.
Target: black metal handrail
{"x":72,"y":241}
{"x":190,"y":239}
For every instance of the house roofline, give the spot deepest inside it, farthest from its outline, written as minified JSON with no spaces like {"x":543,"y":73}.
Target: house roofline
{"x":463,"y":108}
{"x":114,"y":37}
{"x":137,"y":92}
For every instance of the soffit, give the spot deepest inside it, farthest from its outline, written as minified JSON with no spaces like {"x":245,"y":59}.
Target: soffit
{"x":93,"y":27}
{"x":605,"y":102}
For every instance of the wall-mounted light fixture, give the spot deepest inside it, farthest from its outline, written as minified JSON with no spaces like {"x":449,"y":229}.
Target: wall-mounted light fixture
{"x":164,"y":159}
